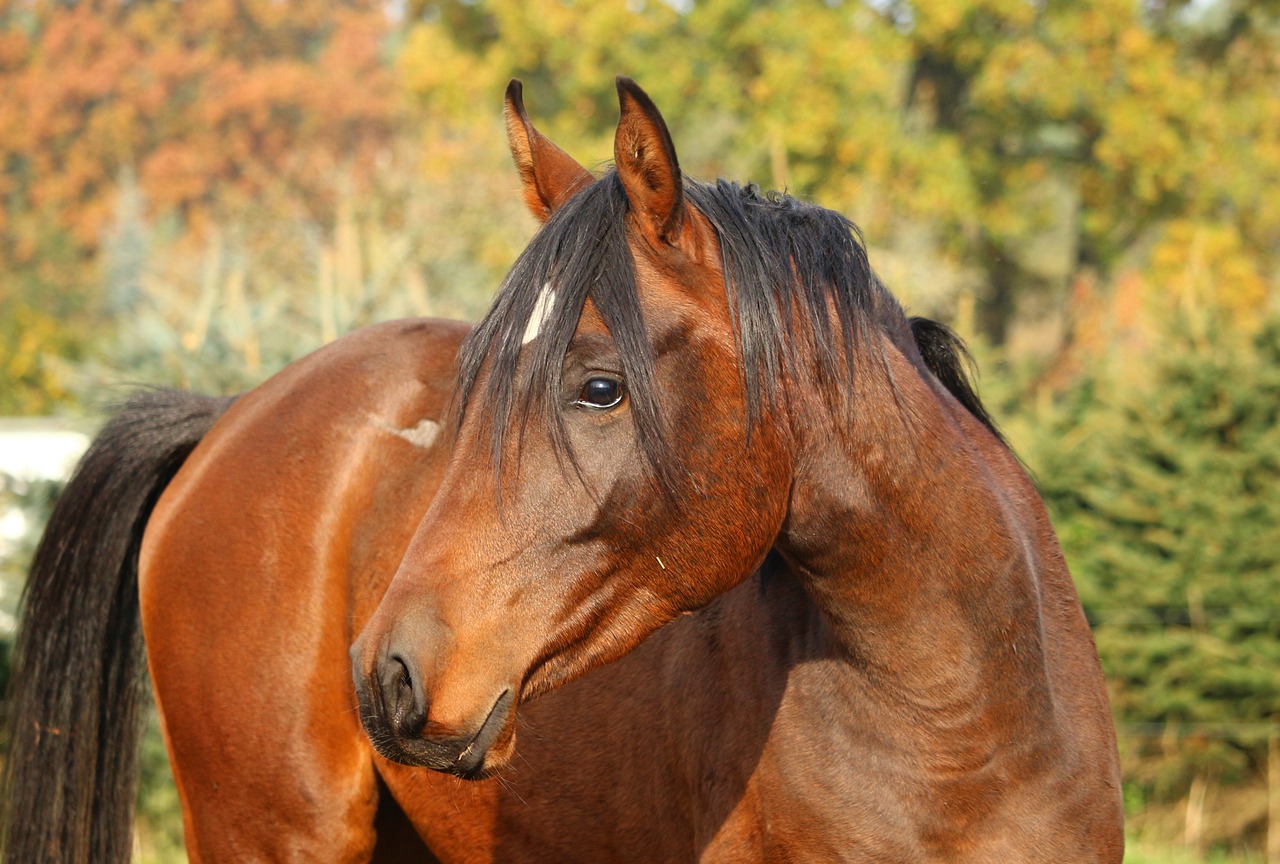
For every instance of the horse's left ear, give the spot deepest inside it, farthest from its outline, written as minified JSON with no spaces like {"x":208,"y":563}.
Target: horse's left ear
{"x":647,"y":166}
{"x":550,"y":175}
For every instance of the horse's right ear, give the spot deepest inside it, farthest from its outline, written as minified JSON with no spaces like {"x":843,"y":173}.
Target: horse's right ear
{"x":550,"y":175}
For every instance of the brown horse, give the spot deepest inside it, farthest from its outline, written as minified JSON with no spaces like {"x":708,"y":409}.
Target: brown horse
{"x":696,"y":450}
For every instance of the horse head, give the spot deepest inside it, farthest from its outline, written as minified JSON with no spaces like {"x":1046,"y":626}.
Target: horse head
{"x":608,"y":472}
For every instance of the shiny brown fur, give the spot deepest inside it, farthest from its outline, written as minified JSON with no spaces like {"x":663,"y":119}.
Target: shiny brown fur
{"x":909,"y":678}
{"x":847,"y":634}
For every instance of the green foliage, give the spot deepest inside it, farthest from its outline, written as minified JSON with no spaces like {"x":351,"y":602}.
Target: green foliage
{"x":1162,"y":470}
{"x":36,"y":346}
{"x":159,"y":820}
{"x":34,"y":501}
{"x":1010,"y":142}
{"x":1138,"y":852}
{"x":1169,"y":507}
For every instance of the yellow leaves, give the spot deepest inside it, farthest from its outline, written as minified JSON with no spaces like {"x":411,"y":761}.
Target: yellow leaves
{"x":1095,"y":25}
{"x":438,"y":74}
{"x":1142,"y":145}
{"x":29,"y":339}
{"x":937,"y":19}
{"x":1198,"y":264}
{"x":965,"y":29}
{"x":1134,"y":41}
{"x":1021,"y":69}
{"x":1201,"y":272}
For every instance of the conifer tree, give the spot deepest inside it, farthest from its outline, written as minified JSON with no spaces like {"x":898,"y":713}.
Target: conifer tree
{"x":1163,"y":474}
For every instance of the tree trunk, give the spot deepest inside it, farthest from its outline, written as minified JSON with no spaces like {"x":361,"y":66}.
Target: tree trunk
{"x":996,"y":304}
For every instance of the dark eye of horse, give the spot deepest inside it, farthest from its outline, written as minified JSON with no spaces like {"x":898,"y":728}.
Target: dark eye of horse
{"x":600,"y":392}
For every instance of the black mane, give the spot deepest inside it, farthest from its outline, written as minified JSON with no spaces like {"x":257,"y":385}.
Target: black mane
{"x":783,"y":258}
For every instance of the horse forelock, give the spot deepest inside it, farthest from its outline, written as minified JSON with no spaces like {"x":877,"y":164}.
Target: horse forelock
{"x":800,"y":289}
{"x":581,"y":252}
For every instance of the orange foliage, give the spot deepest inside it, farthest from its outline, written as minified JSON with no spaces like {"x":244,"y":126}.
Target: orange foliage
{"x":209,"y":103}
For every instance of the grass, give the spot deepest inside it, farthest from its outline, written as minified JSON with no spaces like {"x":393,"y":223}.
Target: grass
{"x":1145,"y":852}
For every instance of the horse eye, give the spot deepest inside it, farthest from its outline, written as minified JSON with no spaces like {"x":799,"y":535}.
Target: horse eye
{"x":600,"y":392}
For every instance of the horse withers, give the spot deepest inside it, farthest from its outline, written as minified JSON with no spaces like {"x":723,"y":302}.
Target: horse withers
{"x":695,"y":450}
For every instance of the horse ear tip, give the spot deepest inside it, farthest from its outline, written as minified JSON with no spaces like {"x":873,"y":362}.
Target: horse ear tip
{"x":627,"y":86}
{"x":514,"y":101}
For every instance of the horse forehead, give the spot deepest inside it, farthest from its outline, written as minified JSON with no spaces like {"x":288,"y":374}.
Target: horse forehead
{"x":688,"y":297}
{"x":590,"y":321}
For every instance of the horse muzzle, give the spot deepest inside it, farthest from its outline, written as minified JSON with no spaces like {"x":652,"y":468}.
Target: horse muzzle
{"x":395,"y":711}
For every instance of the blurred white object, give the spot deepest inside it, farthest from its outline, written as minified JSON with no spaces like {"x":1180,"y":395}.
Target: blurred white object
{"x":39,"y":449}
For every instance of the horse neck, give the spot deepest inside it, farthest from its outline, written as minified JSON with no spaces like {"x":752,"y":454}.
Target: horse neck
{"x":923,"y":543}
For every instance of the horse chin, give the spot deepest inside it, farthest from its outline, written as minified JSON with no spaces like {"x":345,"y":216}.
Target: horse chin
{"x":482,"y":762}
{"x":474,"y":757}
{"x":497,"y":758}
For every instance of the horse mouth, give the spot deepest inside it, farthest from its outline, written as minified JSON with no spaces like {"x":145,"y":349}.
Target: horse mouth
{"x":470,"y":762}
{"x":465,"y":756}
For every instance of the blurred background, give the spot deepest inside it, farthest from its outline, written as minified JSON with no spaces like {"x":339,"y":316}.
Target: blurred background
{"x":196,"y":193}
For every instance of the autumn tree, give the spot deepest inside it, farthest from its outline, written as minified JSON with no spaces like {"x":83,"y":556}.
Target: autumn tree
{"x":1018,"y":144}
{"x":218,"y":108}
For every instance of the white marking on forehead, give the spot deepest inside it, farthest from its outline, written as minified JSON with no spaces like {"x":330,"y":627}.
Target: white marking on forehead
{"x":541,"y":311}
{"x":423,"y":435}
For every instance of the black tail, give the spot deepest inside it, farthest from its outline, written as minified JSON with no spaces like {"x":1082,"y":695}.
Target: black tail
{"x":79,"y":681}
{"x":947,"y":358}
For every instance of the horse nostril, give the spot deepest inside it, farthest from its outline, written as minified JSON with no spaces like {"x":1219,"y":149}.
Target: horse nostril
{"x":402,"y":698}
